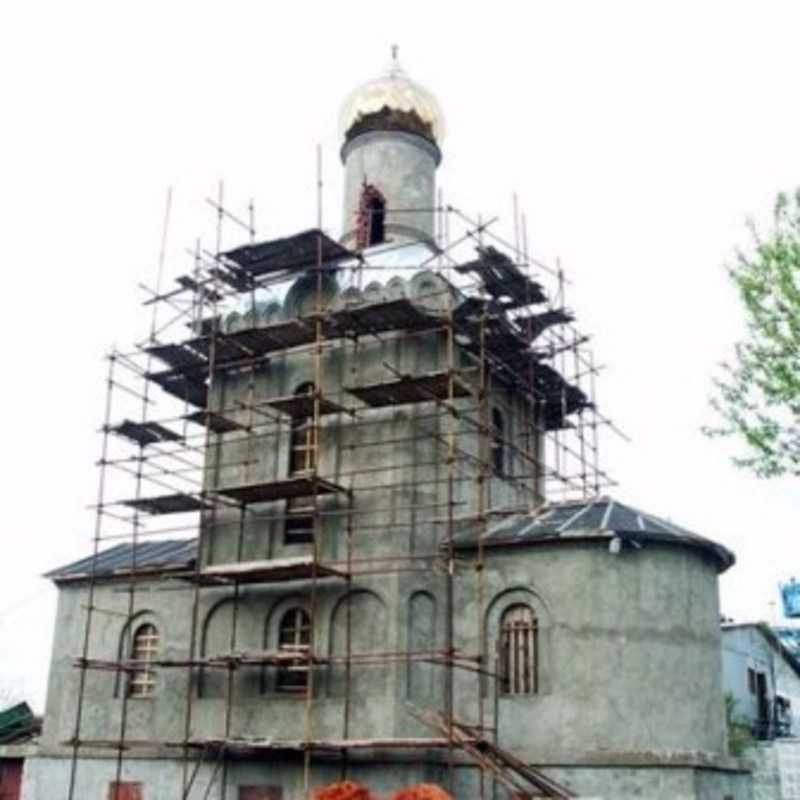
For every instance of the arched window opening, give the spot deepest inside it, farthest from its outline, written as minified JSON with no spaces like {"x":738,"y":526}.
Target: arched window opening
{"x":371,"y":221}
{"x":498,"y":448}
{"x":299,"y":524}
{"x":377,"y":215}
{"x":519,"y":651}
{"x":144,"y":651}
{"x":294,"y":636}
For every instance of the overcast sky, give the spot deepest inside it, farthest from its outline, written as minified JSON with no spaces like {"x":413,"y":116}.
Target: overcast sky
{"x":639,"y":137}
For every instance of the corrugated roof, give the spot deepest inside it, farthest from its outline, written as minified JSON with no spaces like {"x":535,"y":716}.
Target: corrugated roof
{"x":601,"y":517}
{"x":175,"y":553}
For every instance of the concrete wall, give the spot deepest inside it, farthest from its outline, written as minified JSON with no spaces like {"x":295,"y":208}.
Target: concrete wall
{"x":775,"y":768}
{"x":629,"y":657}
{"x":162,"y":779}
{"x":630,"y":650}
{"x":629,"y":643}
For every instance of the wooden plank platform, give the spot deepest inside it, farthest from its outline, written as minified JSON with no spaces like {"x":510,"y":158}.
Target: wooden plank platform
{"x":276,"y":570}
{"x":216,"y":422}
{"x":144,"y":433}
{"x":286,"y":489}
{"x":302,"y":405}
{"x":419,"y":389}
{"x":168,"y":504}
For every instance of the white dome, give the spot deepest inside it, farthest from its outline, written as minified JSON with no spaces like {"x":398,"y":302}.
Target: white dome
{"x":398,"y":92}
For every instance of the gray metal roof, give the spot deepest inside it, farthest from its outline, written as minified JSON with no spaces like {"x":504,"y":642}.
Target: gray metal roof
{"x":173,"y":554}
{"x":601,"y":517}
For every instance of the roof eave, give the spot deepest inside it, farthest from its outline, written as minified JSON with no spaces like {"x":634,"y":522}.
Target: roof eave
{"x":150,"y":572}
{"x":724,"y":557}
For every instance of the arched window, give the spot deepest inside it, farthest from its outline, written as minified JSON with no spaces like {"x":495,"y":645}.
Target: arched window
{"x":371,"y":221}
{"x":498,"y":442}
{"x":144,"y":651}
{"x":294,"y":636}
{"x":518,"y":651}
{"x":299,"y":525}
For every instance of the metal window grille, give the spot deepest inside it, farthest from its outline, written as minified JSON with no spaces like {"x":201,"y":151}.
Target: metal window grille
{"x":145,"y":651}
{"x":294,"y":635}
{"x":519,"y":651}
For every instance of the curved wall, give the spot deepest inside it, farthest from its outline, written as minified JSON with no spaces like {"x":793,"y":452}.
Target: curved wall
{"x":402,"y":166}
{"x":630,"y":664}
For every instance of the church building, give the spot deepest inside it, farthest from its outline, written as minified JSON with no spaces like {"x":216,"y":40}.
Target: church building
{"x":365,"y":533}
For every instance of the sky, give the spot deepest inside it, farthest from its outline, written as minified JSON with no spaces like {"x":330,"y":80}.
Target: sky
{"x":638,"y":136}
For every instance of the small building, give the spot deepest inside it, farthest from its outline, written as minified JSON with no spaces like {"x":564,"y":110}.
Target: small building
{"x":763,"y":677}
{"x":19,"y":729}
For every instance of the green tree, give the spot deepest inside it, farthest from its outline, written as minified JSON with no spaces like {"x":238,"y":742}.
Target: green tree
{"x":758,"y":395}
{"x":740,"y":737}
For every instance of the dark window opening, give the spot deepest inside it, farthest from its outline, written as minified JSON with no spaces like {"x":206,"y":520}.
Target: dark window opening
{"x":762,"y":697}
{"x":377,"y":214}
{"x":299,"y":523}
{"x":294,"y":636}
{"x":371,"y":221}
{"x":498,"y":443}
{"x":519,"y":651}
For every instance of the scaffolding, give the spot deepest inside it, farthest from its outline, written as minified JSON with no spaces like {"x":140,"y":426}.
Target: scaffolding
{"x":486,"y":320}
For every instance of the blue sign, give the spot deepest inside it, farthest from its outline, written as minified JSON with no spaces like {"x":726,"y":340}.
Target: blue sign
{"x":790,"y":594}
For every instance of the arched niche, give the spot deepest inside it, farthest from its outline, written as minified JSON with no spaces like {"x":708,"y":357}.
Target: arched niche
{"x":422,"y":637}
{"x":496,"y":611}
{"x":215,"y":640}
{"x":364,"y":613}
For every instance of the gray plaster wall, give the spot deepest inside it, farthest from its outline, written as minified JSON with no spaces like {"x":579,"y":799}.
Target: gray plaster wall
{"x":763,"y":762}
{"x":630,"y":782}
{"x":46,"y":778}
{"x":402,"y":166}
{"x":629,"y":650}
{"x":400,"y":487}
{"x":629,"y":644}
{"x":392,"y":459}
{"x":629,"y":655}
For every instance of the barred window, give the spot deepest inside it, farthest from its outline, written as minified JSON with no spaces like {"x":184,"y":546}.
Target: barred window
{"x":519,"y":651}
{"x":144,"y":651}
{"x":294,"y":635}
